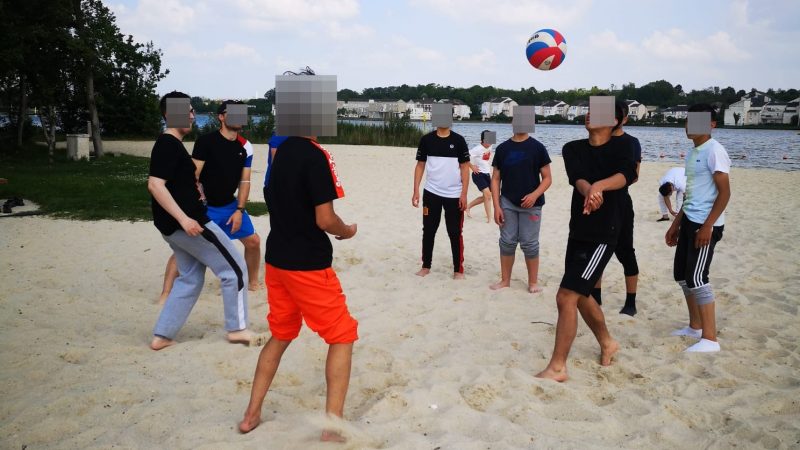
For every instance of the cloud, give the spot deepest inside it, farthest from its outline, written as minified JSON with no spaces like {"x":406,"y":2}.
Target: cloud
{"x":230,"y":50}
{"x":608,"y":40}
{"x":484,"y":60}
{"x":679,"y":45}
{"x":349,"y":32}
{"x":510,"y":12}
{"x":156,"y":17}
{"x":279,"y":12}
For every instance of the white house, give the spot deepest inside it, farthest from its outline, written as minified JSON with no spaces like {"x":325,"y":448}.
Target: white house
{"x":748,"y":110}
{"x":354,"y":108}
{"x":496,"y":106}
{"x":461,"y":111}
{"x":636,"y":110}
{"x":579,"y":109}
{"x":386,"y":109}
{"x":772,"y":113}
{"x":419,"y":109}
{"x":676,"y":112}
{"x":791,"y":111}
{"x":552,"y":108}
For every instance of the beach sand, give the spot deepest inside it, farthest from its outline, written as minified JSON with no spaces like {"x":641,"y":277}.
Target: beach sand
{"x":439,"y":364}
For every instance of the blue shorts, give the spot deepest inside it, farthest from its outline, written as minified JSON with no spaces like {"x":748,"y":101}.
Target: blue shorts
{"x":221,"y":214}
{"x":481,"y":180}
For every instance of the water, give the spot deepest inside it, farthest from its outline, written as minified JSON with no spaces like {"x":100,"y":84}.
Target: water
{"x":747,"y":148}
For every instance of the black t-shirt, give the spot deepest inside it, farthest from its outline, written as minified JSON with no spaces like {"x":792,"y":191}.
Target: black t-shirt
{"x":170,"y":161}
{"x":443,"y":156}
{"x":224,"y":161}
{"x":520,"y":164}
{"x":303,"y":176}
{"x":583,"y":161}
{"x":636,"y":149}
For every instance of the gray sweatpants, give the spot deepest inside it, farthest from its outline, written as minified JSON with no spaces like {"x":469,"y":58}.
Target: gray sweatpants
{"x":212,"y":249}
{"x":521,"y":227}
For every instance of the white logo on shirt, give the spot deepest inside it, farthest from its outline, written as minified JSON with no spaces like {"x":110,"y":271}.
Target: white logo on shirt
{"x":452,"y":146}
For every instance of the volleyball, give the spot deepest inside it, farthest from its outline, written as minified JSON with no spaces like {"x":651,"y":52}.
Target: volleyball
{"x":546,"y":49}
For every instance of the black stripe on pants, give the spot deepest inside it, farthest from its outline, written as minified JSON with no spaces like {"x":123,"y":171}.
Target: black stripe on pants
{"x":432,"y":206}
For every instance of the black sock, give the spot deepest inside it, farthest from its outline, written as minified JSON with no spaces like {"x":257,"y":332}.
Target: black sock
{"x":596,"y":293}
{"x":630,"y":304}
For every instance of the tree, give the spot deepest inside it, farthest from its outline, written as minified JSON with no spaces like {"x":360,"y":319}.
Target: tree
{"x":736,"y":117}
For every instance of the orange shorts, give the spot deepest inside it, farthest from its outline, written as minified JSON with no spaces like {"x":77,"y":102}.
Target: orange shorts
{"x":312,"y":295}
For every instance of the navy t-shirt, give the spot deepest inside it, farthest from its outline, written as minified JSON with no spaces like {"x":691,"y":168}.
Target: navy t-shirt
{"x":635,"y":147}
{"x":303,"y":177}
{"x":274,"y":142}
{"x":520,"y":164}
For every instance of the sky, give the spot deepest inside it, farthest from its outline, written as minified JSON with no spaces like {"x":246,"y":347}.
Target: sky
{"x":234,"y":48}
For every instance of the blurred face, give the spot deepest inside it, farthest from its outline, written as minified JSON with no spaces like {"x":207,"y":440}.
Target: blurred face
{"x":231,"y":125}
{"x":693,"y":136}
{"x":589,"y":125}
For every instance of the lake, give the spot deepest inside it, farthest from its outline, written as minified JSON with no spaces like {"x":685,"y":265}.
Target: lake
{"x":746,"y":147}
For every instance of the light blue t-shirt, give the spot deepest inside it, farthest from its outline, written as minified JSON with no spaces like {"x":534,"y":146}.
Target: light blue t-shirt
{"x":701,"y":163}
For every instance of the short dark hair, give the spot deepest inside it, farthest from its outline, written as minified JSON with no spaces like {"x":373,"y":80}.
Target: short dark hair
{"x":665,"y":189}
{"x":704,"y":107}
{"x":162,"y":105}
{"x":483,"y":135}
{"x":304,"y":71}
{"x":223,"y":107}
{"x":620,"y":111}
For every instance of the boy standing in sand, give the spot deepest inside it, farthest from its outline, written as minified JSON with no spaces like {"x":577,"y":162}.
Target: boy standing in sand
{"x":197,"y":242}
{"x":624,"y":251}
{"x":301,"y":285}
{"x":699,"y":225}
{"x":521,"y":176}
{"x":445,"y":155}
{"x":480,"y":157}
{"x":223,"y":159}
{"x":597,"y":168}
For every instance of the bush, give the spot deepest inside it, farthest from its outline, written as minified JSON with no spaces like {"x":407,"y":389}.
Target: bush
{"x":397,"y":132}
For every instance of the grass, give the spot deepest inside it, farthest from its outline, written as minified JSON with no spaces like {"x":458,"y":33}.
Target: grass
{"x":395,"y":133}
{"x":113,"y":188}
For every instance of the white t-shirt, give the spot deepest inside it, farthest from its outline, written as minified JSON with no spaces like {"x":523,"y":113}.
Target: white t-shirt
{"x":701,"y":164}
{"x":677,"y":177}
{"x":481,"y":157}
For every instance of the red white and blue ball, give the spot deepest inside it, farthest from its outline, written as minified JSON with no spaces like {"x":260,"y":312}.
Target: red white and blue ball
{"x":546,"y":49}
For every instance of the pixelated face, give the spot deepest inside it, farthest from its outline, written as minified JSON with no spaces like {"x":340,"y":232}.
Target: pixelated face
{"x":601,"y":110}
{"x":235,"y":116}
{"x":179,"y":113}
{"x":698,"y":123}
{"x":305,"y":105}
{"x":490,"y":137}
{"x":442,"y":115}
{"x":524,"y":119}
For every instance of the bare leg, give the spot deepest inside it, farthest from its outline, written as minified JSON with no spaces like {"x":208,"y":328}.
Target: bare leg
{"x":252,"y":256}
{"x":423,"y":272}
{"x":694,"y":313}
{"x":709,"y":321}
{"x":170,"y":274}
{"x":593,"y":316}
{"x":337,"y":376}
{"x":268,"y":362}
{"x":533,"y":275}
{"x":506,"y":264}
{"x":566,"y":329}
{"x":487,"y":204}
{"x":476,"y":202}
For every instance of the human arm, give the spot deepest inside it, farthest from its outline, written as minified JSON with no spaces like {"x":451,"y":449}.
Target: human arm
{"x":235,"y":220}
{"x":158,"y":189}
{"x":329,"y":222}
{"x":462,"y":201}
{"x":419,"y":169}
{"x":494,"y":186}
{"x":722,"y":181}
{"x":671,"y":237}
{"x":547,"y":180}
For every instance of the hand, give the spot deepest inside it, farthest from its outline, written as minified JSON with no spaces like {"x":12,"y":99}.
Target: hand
{"x":703,"y":236}
{"x":671,"y":237}
{"x":529,"y":200}
{"x":674,"y":213}
{"x":475,"y":170}
{"x":351,"y":231}
{"x":462,"y":202}
{"x":593,"y":200}
{"x":415,"y":200}
{"x":191,"y":227}
{"x":499,"y":217}
{"x":236,"y":220}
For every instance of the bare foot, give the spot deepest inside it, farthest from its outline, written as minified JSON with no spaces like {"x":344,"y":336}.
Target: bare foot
{"x":534,"y":288}
{"x":331,"y":436}
{"x":458,"y":276}
{"x":241,"y":336}
{"x":552,"y":374}
{"x":249,"y":423}
{"x":500,"y":285}
{"x":607,"y":353}
{"x":422,"y":272}
{"x":158,"y":343}
{"x":466,"y":211}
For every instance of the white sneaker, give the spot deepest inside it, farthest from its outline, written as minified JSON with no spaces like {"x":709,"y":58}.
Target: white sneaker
{"x":688,"y":331}
{"x":704,"y":346}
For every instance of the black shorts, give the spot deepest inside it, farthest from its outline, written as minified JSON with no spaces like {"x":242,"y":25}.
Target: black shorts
{"x":584,"y":264}
{"x":481,"y":180}
{"x":692,"y":264}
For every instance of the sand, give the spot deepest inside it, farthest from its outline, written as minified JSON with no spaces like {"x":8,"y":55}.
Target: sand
{"x":440,"y":363}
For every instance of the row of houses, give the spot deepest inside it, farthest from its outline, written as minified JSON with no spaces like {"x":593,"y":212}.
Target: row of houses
{"x":755,"y":108}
